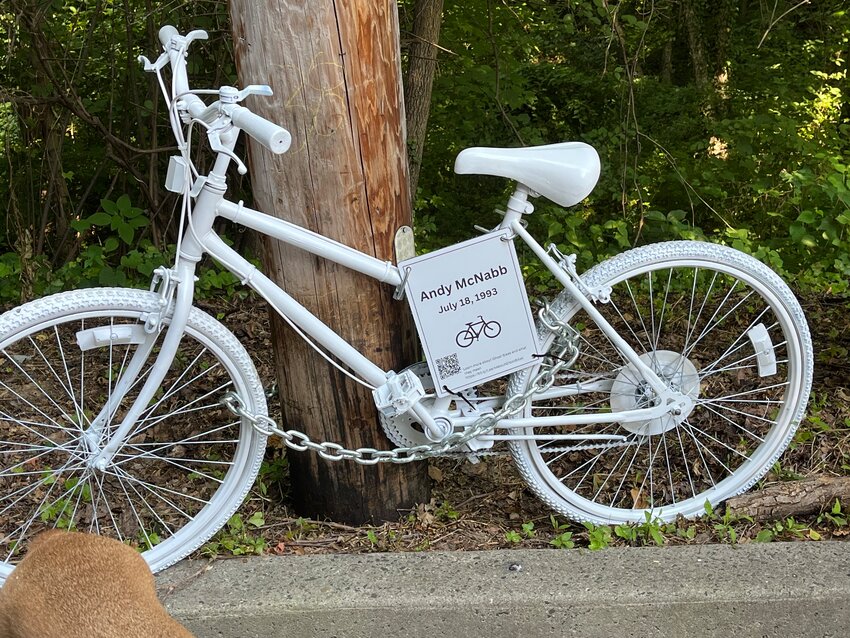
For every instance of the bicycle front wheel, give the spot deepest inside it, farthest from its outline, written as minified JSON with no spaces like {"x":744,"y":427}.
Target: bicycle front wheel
{"x":716,"y":325}
{"x":184,"y":468}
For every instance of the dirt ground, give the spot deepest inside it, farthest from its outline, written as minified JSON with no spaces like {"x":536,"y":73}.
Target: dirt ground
{"x":486,"y":505}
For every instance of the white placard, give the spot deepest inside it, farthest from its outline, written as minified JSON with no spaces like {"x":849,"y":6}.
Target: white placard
{"x":471,"y":311}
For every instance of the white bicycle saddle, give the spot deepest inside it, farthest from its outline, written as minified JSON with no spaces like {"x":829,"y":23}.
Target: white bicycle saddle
{"x":564,"y":173}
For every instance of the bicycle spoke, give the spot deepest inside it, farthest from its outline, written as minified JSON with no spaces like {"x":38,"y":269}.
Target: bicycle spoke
{"x":689,"y":317}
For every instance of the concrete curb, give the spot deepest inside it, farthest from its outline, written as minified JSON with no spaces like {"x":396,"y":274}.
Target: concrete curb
{"x":777,"y":589}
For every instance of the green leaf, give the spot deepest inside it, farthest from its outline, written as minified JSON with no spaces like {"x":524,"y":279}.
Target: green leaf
{"x":125,"y":232}
{"x":807,"y":217}
{"x":123,"y":203}
{"x":656,"y":535}
{"x":235,"y":523}
{"x":764,"y":536}
{"x":99,"y":219}
{"x":109,"y":206}
{"x":257,"y":519}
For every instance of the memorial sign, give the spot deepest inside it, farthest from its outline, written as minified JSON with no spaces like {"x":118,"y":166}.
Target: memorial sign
{"x":471,"y":311}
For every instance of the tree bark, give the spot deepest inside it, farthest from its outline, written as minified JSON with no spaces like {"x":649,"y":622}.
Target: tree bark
{"x":796,"y":498}
{"x":335,"y":71}
{"x":694,"y":27}
{"x":422,"y":63}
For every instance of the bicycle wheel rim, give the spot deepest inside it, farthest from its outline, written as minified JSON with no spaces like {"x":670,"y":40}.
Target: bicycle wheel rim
{"x":563,"y":490}
{"x":152,"y":450}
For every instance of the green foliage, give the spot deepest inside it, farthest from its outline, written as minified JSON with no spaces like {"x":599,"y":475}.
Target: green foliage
{"x":752,"y":159}
{"x":598,"y":536}
{"x":119,"y":216}
{"x":239,"y":537}
{"x":445,"y":512}
{"x":526,"y":531}
{"x":84,"y":197}
{"x":513,"y":536}
{"x":652,"y":530}
{"x":725,"y":527}
{"x":746,"y":145}
{"x":788,"y":529}
{"x":110,"y":253}
{"x":835,"y":517}
{"x":272,"y":473}
{"x":563,"y":539}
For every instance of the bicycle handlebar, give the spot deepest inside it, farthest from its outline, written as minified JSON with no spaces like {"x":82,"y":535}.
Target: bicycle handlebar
{"x":166,"y":33}
{"x":275,"y":138}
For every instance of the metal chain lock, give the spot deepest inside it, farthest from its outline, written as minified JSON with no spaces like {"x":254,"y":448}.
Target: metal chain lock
{"x":563,"y":353}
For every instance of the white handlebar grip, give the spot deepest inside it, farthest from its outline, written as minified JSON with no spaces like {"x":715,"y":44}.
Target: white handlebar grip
{"x":166,"y":33}
{"x":275,"y":138}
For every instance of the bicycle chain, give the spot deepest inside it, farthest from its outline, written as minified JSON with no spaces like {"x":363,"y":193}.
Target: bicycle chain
{"x":549,"y":450}
{"x":564,"y":355}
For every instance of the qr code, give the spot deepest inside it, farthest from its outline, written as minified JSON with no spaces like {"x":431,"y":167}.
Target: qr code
{"x":448,"y":366}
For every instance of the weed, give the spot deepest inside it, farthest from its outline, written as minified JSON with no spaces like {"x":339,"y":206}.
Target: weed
{"x":271,"y":473}
{"x":147,"y":541}
{"x":303,"y":527}
{"x":237,"y":537}
{"x":648,"y":531}
{"x":563,"y":541}
{"x":724,"y":526}
{"x":688,"y":533}
{"x":557,"y":526}
{"x":765,"y":536}
{"x":791,"y":527}
{"x":526,"y":531}
{"x":512,"y":536}
{"x":445,"y":512}
{"x":783,"y":474}
{"x":598,"y":536}
{"x":834,"y":517}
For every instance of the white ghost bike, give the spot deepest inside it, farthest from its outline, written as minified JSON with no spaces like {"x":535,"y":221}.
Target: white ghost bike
{"x":668,"y":376}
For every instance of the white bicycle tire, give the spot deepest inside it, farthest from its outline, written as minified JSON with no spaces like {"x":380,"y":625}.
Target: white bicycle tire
{"x":553,"y":491}
{"x":22,"y":322}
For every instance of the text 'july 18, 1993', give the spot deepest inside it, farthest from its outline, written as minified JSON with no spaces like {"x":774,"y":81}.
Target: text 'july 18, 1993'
{"x":471,"y":311}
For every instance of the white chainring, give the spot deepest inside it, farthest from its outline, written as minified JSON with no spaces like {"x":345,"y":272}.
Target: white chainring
{"x":404,"y":431}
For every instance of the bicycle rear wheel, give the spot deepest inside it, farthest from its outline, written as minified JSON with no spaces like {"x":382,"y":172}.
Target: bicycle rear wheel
{"x":719,"y":326}
{"x":185,"y":467}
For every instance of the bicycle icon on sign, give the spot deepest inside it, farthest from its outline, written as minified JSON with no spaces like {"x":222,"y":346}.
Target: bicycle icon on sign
{"x":474,"y":330}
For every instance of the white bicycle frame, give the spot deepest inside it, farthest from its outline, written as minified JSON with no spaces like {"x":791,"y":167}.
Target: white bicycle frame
{"x":201,"y":239}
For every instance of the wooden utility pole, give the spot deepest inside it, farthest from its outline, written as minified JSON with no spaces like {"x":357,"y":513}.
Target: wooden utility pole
{"x":334,"y":68}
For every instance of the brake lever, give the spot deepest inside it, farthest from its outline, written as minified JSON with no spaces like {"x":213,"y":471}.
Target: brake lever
{"x":229,"y":94}
{"x":153,"y":67}
{"x":197,"y":34}
{"x":218,"y":147}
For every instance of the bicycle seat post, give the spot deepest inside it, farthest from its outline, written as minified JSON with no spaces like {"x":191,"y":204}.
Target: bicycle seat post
{"x":518,"y":205}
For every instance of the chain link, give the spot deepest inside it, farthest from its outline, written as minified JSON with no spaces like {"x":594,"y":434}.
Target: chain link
{"x":563,"y":353}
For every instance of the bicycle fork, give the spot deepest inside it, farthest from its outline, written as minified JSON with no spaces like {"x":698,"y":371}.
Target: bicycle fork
{"x":184,"y":293}
{"x":675,"y":401}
